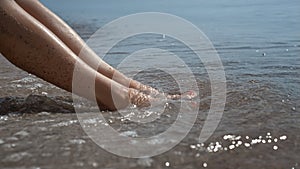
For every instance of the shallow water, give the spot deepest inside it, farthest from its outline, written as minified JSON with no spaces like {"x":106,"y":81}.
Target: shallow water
{"x":259,"y":49}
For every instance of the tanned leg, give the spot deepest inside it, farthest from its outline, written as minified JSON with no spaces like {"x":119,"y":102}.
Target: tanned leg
{"x":75,"y":43}
{"x":28,"y":44}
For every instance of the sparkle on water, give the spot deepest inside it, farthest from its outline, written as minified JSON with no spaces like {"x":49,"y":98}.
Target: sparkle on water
{"x":234,"y":141}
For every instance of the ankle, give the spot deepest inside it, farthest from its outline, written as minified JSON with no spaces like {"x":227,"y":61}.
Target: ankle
{"x":135,"y":85}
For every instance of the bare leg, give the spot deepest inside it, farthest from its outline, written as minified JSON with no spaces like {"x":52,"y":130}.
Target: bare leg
{"x":75,"y":43}
{"x":28,"y":44}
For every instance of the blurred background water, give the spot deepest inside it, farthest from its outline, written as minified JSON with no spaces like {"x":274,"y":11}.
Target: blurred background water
{"x":258,"y":42}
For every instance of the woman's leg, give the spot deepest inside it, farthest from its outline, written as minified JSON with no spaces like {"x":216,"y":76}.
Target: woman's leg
{"x":75,"y":43}
{"x":28,"y":44}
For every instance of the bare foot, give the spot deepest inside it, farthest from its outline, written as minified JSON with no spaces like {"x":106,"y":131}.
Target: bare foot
{"x":139,"y":99}
{"x":142,"y":95}
{"x":143,"y":88}
{"x":148,"y":90}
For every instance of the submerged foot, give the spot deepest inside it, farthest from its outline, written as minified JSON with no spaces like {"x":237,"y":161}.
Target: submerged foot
{"x":142,"y":95}
{"x":139,"y":99}
{"x":153,"y":92}
{"x":147,"y":89}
